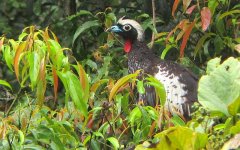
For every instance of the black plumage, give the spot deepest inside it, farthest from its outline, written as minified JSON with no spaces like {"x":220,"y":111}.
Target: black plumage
{"x":180,"y":84}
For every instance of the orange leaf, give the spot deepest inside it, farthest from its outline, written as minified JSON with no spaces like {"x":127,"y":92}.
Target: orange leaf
{"x":20,"y":49}
{"x":205,"y":18}
{"x":185,"y":38}
{"x":174,"y":8}
{"x":190,"y":10}
{"x":55,"y":82}
{"x":41,"y":87}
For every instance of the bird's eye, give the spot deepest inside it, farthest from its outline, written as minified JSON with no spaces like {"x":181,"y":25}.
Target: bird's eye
{"x":127,"y":27}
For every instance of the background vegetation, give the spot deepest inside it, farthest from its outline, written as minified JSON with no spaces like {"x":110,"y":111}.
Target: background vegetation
{"x":64,"y":81}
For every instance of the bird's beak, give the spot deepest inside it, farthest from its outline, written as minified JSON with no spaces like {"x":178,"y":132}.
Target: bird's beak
{"x":115,"y":29}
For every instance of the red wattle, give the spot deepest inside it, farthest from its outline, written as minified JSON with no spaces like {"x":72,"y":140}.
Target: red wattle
{"x":127,"y":46}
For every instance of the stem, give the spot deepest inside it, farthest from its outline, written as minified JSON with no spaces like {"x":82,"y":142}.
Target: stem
{"x":154,"y":22}
{"x":10,"y":107}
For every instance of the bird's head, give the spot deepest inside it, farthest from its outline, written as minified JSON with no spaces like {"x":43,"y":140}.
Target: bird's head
{"x":130,"y":30}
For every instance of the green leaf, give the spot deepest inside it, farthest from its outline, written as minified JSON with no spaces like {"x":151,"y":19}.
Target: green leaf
{"x":201,"y":42}
{"x":228,"y":13}
{"x":178,"y":138}
{"x":140,"y":87}
{"x":221,"y":87}
{"x":177,"y":121}
{"x":84,"y":27}
{"x":120,"y":83}
{"x":34,"y":67}
{"x":234,"y":107}
{"x":114,"y":142}
{"x":5,"y":83}
{"x":76,"y":92}
{"x":213,"y":64}
{"x":159,"y":87}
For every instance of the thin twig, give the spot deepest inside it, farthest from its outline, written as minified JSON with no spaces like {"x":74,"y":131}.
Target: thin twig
{"x":6,"y":114}
{"x":154,"y":22}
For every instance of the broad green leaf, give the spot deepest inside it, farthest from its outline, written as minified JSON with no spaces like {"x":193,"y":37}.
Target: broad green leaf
{"x":21,"y":137}
{"x":221,"y":87}
{"x":76,"y":92}
{"x":85,"y":26}
{"x":5,"y":83}
{"x":34,"y":67}
{"x":177,"y":121}
{"x":7,"y":53}
{"x":213,"y":64}
{"x":114,"y":142}
{"x":234,"y":107}
{"x":140,"y":87}
{"x":179,"y":137}
{"x":120,"y":83}
{"x":135,"y":115}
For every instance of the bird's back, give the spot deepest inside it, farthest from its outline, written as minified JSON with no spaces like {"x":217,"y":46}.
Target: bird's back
{"x":180,"y":84}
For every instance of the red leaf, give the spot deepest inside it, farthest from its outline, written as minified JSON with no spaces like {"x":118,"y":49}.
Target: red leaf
{"x":55,"y":82}
{"x":185,"y":38}
{"x":205,"y":17}
{"x":190,"y":10}
{"x":175,"y":5}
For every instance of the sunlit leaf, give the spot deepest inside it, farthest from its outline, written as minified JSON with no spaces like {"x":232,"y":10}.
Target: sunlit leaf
{"x":186,"y":3}
{"x":140,"y":87}
{"x":226,"y":78}
{"x":41,"y":86}
{"x":5,"y":83}
{"x":205,"y":18}
{"x":114,"y":142}
{"x":120,"y":83}
{"x":19,"y":51}
{"x":34,"y":67}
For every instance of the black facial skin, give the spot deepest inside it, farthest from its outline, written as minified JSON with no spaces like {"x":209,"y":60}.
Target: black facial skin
{"x":128,"y":35}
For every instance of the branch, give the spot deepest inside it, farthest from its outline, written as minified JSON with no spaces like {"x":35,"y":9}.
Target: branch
{"x":154,"y":22}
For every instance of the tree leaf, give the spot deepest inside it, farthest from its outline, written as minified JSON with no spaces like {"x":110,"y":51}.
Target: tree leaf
{"x":76,"y":92}
{"x":190,"y":10}
{"x":120,"y":83}
{"x":114,"y":142}
{"x":205,"y":18}
{"x":140,"y":87}
{"x":84,"y":27}
{"x":175,"y":5}
{"x":5,"y":83}
{"x":201,"y":42}
{"x":19,"y":51}
{"x":228,"y":13}
{"x":221,"y":87}
{"x":55,"y":82}
{"x":186,"y":3}
{"x":185,"y":38}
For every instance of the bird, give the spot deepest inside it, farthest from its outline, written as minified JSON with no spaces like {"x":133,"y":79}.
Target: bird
{"x":180,"y":83}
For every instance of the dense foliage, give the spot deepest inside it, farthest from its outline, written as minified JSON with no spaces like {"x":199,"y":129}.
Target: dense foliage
{"x":64,"y":81}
